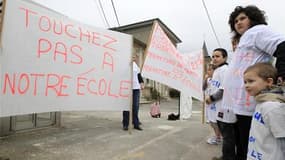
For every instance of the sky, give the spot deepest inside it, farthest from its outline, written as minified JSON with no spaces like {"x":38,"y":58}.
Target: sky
{"x":186,"y":18}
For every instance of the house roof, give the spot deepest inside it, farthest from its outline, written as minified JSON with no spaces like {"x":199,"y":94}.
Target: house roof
{"x":148,"y":23}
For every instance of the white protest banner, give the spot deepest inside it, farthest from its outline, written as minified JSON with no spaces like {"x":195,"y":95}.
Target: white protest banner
{"x":52,"y":63}
{"x":164,"y":64}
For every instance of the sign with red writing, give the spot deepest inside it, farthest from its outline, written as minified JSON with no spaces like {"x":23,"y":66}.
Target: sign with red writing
{"x":52,"y":63}
{"x":163,"y":63}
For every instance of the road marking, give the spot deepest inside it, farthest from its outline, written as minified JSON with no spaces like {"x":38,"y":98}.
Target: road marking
{"x":138,"y":148}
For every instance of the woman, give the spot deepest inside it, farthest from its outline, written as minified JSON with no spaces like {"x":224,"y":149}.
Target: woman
{"x":257,"y":43}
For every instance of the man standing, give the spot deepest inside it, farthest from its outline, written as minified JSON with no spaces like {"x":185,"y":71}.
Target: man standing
{"x":138,"y":84}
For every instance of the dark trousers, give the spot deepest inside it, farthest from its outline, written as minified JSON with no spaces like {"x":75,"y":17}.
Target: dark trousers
{"x":126,"y":114}
{"x":228,"y":131}
{"x":243,"y":125}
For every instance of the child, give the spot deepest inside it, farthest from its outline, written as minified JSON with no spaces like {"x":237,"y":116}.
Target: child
{"x":267,"y":132}
{"x":155,"y":110}
{"x":225,"y":117}
{"x":211,"y":108}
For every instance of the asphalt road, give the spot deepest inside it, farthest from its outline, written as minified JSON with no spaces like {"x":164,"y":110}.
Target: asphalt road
{"x":99,"y":136}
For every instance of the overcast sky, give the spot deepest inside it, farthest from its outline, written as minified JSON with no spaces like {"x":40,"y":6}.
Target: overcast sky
{"x":186,"y":18}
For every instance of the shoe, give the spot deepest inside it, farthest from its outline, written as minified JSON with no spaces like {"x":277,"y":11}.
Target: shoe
{"x":217,"y":158}
{"x":138,"y":128}
{"x":213,"y":141}
{"x":125,"y":128}
{"x":219,"y":140}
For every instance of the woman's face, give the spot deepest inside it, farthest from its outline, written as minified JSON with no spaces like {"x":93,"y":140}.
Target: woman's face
{"x":242,"y":23}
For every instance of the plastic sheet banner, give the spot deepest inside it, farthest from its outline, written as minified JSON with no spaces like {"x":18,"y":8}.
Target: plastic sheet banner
{"x":163,"y":63}
{"x":52,"y":63}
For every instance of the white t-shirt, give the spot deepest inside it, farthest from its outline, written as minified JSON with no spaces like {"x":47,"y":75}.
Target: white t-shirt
{"x":211,"y":108}
{"x":268,"y":124}
{"x":136,"y":71}
{"x":217,"y":83}
{"x":257,"y":44}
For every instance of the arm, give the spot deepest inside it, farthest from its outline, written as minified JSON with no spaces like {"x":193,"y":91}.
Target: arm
{"x":280,"y":62}
{"x":140,"y":78}
{"x":272,"y":43}
{"x":215,"y":97}
{"x":218,"y":78}
{"x":141,"y":82}
{"x":275,"y":119}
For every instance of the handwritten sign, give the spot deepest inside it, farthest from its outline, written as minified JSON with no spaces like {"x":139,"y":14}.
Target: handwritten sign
{"x":163,"y":63}
{"x":52,"y":63}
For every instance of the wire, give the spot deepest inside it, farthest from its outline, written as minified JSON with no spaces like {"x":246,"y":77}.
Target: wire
{"x":115,"y":13}
{"x":101,"y":15}
{"x":102,"y":9}
{"x":212,"y":26}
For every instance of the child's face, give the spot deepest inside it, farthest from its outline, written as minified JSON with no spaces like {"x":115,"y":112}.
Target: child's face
{"x":210,"y":72}
{"x":135,"y":58}
{"x":242,"y":23}
{"x":254,"y":84}
{"x":218,"y":58}
{"x":234,"y":44}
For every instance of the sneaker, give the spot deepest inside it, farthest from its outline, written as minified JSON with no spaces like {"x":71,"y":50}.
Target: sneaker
{"x":212,"y":140}
{"x":219,"y":140}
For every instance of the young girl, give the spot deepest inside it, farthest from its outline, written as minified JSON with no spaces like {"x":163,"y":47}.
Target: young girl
{"x":211,"y":108}
{"x":267,"y":133}
{"x":257,"y":43}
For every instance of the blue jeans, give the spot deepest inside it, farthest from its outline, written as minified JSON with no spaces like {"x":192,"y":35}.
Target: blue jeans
{"x":126,"y":114}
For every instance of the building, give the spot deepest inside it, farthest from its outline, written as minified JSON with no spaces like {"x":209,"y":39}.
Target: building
{"x":141,"y":31}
